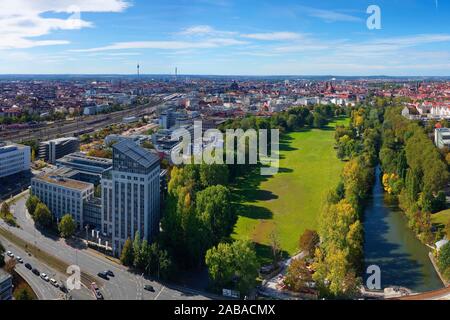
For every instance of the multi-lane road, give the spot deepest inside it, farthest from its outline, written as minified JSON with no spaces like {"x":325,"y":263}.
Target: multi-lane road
{"x":124,"y":286}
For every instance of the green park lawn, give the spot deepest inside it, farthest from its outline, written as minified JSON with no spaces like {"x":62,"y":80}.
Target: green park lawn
{"x":441,"y":219}
{"x":289,"y":202}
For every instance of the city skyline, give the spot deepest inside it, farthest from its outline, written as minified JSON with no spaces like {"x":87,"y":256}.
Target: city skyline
{"x":224,"y":38}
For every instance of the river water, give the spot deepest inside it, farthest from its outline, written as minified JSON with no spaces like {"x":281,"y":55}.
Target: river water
{"x":391,"y":245}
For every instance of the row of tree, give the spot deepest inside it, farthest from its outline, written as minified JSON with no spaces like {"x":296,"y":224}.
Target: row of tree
{"x":43,"y":217}
{"x":149,"y":258}
{"x":414,"y":171}
{"x":339,"y":258}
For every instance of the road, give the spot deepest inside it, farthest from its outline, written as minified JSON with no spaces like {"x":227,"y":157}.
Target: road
{"x":44,"y":290}
{"x":124,"y":286}
{"x":67,"y":127}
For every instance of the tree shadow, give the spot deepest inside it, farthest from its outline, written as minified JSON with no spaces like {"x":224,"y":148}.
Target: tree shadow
{"x":265,"y":255}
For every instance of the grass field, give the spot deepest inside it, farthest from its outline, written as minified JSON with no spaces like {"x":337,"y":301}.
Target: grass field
{"x":441,"y":219}
{"x":289,"y":202}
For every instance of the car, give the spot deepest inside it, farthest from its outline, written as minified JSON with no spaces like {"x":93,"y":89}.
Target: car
{"x":98,"y":295}
{"x":109,"y":273}
{"x":19,"y":259}
{"x":103,"y":275}
{"x":149,"y":288}
{"x":45,"y":277}
{"x":63,"y":288}
{"x":10,"y":254}
{"x":28,"y":266}
{"x":36,"y":272}
{"x":54,"y":283}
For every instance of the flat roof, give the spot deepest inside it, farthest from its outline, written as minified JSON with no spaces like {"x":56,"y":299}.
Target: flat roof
{"x":64,"y":182}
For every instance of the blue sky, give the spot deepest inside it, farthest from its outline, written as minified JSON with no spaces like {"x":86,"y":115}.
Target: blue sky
{"x":230,"y":37}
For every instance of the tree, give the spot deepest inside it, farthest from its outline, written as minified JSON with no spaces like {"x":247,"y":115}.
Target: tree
{"x":233,"y":266}
{"x":213,"y":174}
{"x":127,"y":256}
{"x":5,"y":209}
{"x":67,"y":226}
{"x":23,"y":293}
{"x":214,"y":210}
{"x":444,"y":258}
{"x":276,"y":247}
{"x":32,"y":203}
{"x":10,"y":265}
{"x":297,"y":275}
{"x":309,"y":241}
{"x":136,"y":248}
{"x":42,"y":215}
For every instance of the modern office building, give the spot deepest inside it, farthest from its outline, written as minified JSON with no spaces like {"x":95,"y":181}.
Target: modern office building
{"x":52,"y":150}
{"x":14,"y":158}
{"x":442,"y":137}
{"x":62,"y":195}
{"x":89,"y":169}
{"x":92,"y":213}
{"x":6,"y":286}
{"x":131,"y":195}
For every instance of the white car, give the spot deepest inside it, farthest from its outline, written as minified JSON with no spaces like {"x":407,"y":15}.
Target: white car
{"x":54,"y":283}
{"x":45,"y":277}
{"x":19,"y":259}
{"x":10,"y":254}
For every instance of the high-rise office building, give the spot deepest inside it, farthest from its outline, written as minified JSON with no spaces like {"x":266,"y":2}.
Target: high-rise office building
{"x":131,"y":195}
{"x":14,"y":158}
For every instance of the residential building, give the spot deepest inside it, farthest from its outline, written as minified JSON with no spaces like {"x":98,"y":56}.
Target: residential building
{"x":442,"y":137}
{"x":131,"y":194}
{"x":14,"y":158}
{"x":6,"y":286}
{"x":62,"y":195}
{"x":52,"y":150}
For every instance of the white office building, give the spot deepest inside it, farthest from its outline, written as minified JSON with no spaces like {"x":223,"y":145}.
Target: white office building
{"x":14,"y":158}
{"x":62,"y":195}
{"x":442,"y":137}
{"x":131,"y":195}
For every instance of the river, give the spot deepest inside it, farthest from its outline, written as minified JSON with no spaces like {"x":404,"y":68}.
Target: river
{"x":391,"y":245}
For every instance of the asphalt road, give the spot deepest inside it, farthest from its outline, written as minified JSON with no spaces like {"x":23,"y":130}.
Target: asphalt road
{"x":44,"y":290}
{"x":124,"y":286}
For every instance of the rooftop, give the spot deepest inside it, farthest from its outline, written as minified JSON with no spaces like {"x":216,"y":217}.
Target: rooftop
{"x":58,"y":178}
{"x":138,"y":154}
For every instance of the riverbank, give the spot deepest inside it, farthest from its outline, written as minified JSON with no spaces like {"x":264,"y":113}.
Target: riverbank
{"x":390,"y":244}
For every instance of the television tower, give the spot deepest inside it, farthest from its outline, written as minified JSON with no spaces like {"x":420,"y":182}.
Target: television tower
{"x":176,"y":73}
{"x":138,"y":70}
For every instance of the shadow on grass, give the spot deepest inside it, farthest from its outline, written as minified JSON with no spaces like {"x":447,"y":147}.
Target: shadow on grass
{"x":265,"y":255}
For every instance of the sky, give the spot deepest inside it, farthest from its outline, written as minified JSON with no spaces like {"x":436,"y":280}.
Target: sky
{"x":225,"y":37}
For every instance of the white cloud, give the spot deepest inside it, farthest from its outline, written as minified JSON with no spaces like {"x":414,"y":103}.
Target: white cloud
{"x":274,"y":36}
{"x":22,"y":20}
{"x":329,"y":15}
{"x":167,"y":45}
{"x":204,"y":30}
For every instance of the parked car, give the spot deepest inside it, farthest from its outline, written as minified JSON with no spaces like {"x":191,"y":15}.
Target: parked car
{"x":28,"y":266}
{"x":103,"y":275}
{"x":36,"y":272}
{"x":98,"y":295}
{"x":63,"y":288}
{"x":9,"y":254}
{"x":54,"y":283}
{"x":149,"y":288}
{"x":19,"y":259}
{"x":45,"y":277}
{"x":109,"y":273}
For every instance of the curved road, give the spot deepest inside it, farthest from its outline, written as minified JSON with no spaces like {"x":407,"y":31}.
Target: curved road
{"x":124,"y":286}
